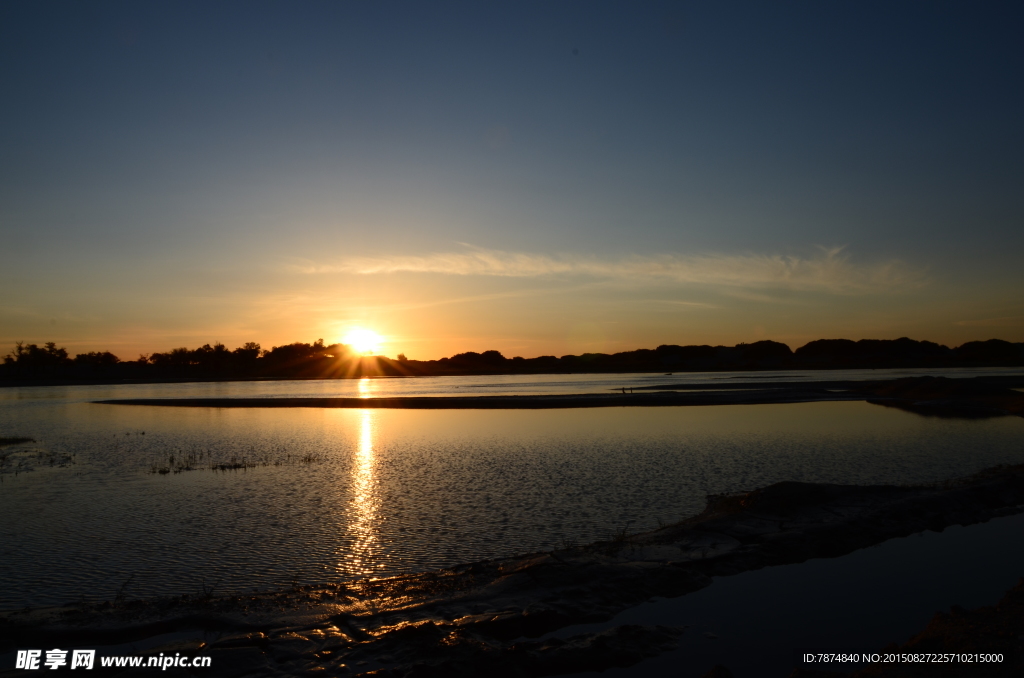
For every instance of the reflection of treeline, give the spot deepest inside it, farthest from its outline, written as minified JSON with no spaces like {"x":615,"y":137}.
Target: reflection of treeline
{"x":317,"y":361}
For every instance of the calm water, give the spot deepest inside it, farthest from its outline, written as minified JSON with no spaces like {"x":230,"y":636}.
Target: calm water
{"x":334,"y":494}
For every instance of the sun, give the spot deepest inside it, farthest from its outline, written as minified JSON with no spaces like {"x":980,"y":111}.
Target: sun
{"x":363,"y":340}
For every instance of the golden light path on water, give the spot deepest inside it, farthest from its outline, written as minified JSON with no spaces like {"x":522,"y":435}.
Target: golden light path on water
{"x":361,"y":554}
{"x":365,"y":387}
{"x":362,"y":543}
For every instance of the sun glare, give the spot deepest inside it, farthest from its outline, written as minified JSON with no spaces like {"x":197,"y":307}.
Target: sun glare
{"x":363,"y":340}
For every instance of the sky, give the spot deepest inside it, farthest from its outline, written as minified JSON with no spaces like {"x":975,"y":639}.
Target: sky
{"x":535,"y":178}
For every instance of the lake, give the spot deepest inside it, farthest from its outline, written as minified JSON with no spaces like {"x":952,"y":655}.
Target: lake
{"x":332,"y":494}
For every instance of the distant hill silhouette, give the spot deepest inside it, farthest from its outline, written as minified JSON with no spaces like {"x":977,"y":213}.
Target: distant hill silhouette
{"x":29,"y":363}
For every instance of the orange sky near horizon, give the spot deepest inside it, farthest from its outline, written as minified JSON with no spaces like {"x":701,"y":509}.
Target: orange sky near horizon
{"x":532,"y":178}
{"x":429,"y":315}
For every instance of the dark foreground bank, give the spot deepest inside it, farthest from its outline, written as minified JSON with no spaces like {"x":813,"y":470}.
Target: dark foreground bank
{"x":488,"y":618}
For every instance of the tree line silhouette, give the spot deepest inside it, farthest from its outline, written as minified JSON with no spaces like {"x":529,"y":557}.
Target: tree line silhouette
{"x":48,"y":363}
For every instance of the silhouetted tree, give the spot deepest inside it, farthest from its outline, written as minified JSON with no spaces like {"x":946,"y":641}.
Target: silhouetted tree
{"x":301,"y":360}
{"x":991,"y":351}
{"x":97,"y":358}
{"x":30,"y":355}
{"x":764,"y":352}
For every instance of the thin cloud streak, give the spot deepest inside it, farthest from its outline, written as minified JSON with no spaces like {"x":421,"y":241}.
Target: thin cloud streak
{"x":829,"y":271}
{"x":1007,"y":321}
{"x":480,"y":297}
{"x":317,"y":303}
{"x":672,"y":302}
{"x":21,"y":311}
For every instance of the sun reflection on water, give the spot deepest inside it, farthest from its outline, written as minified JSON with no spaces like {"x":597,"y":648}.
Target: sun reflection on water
{"x":362,"y":555}
{"x":365,"y":388}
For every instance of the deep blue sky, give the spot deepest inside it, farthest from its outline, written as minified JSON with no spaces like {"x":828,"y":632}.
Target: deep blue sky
{"x":188,"y":172}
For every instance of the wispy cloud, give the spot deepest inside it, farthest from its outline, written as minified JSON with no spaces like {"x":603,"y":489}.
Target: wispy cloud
{"x":828,"y":270}
{"x":1007,"y":321}
{"x":20,"y":311}
{"x":687,"y":304}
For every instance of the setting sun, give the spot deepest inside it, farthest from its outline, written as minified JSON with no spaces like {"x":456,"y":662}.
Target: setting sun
{"x":363,"y":340}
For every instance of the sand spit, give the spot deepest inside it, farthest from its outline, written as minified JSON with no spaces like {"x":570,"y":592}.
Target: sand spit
{"x":935,"y":396}
{"x":490,"y":617}
{"x":523,"y":402}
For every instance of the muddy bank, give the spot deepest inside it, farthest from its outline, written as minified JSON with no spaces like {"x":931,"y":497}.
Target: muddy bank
{"x":488,"y":616}
{"x":524,"y":402}
{"x":992,"y":630}
{"x":939,"y":396}
{"x":997,"y":629}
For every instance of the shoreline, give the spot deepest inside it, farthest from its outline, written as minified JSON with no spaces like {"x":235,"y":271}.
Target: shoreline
{"x":11,"y":382}
{"x":977,"y":397}
{"x":480,"y":617}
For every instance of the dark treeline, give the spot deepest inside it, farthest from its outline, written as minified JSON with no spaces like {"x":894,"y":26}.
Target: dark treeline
{"x":48,"y":363}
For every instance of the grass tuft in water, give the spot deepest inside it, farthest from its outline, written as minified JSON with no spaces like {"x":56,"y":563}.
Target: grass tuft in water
{"x":198,"y":459}
{"x":16,"y":440}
